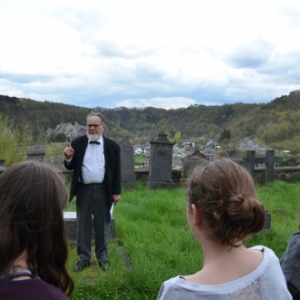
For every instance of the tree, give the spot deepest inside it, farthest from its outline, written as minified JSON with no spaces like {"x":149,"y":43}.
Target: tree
{"x":13,"y":141}
{"x":178,"y":137}
{"x":225,"y":135}
{"x":54,"y":152}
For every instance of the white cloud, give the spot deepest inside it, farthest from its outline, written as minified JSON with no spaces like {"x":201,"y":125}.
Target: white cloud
{"x":166,"y":103}
{"x":102,"y":53}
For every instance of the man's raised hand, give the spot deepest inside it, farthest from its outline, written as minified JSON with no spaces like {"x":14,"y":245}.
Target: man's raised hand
{"x":68,"y":151}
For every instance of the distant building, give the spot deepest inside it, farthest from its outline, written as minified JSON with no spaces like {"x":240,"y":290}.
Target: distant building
{"x":212,"y":144}
{"x":190,"y":143}
{"x":138,"y":151}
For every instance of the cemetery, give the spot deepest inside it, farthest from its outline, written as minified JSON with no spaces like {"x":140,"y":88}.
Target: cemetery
{"x":161,"y":175}
{"x":149,"y":205}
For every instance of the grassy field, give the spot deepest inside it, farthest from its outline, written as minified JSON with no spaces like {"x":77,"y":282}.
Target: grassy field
{"x":154,"y":242}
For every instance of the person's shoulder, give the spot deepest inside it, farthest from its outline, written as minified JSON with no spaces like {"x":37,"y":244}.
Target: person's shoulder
{"x":79,"y":139}
{"x":296,"y":236}
{"x":263,"y":249}
{"x":268,"y":252}
{"x":174,"y":281}
{"x":31,"y":288}
{"x":110,"y":141}
{"x":167,"y":286}
{"x":51,"y":291}
{"x":292,"y":249}
{"x":177,"y":288}
{"x":269,"y":257}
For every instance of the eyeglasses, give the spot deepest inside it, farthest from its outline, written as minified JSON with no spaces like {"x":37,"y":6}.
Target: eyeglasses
{"x":94,"y":125}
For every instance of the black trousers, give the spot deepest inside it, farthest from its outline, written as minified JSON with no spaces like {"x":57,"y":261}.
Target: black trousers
{"x":93,"y":210}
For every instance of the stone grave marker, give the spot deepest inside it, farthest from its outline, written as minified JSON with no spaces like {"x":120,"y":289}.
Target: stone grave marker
{"x":161,"y":155}
{"x":190,"y":162}
{"x":71,"y":227}
{"x":2,"y":166}
{"x":36,"y":152}
{"x":127,"y":165}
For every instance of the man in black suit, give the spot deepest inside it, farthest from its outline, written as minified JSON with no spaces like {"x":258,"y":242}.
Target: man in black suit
{"x":96,"y":183}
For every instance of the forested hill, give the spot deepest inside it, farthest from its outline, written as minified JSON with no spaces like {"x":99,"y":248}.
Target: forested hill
{"x":276,"y":123}
{"x":41,"y":116}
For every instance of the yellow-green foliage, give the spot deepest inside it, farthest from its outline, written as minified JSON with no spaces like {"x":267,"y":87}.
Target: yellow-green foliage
{"x":13,"y":141}
{"x":54,"y":151}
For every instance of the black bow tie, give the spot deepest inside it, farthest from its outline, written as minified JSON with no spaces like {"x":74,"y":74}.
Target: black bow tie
{"x":94,"y":142}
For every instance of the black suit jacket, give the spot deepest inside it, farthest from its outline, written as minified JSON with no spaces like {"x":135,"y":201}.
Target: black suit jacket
{"x":112,"y":176}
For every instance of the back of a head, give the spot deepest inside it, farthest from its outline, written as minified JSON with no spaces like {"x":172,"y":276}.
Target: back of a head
{"x":224,"y":192}
{"x":32,"y":199}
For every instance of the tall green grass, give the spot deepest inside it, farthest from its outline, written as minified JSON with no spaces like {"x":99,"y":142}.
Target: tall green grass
{"x":154,"y":242}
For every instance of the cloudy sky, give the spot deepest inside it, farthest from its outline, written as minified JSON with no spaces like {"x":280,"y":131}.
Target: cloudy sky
{"x":161,"y":53}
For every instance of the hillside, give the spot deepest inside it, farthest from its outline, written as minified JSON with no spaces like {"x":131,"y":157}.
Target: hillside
{"x":275,"y":124}
{"x":47,"y":117}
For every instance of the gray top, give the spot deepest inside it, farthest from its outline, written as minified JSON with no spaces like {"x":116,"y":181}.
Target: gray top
{"x":290,"y":261}
{"x":266,"y":282}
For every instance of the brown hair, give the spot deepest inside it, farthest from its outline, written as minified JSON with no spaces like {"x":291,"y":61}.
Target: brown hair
{"x":32,"y":198}
{"x":224,"y":193}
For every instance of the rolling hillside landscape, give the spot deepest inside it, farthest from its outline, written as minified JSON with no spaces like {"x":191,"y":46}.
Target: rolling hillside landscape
{"x":275,"y":124}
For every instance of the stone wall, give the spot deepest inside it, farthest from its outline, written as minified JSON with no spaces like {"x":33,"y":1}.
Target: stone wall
{"x":281,"y":173}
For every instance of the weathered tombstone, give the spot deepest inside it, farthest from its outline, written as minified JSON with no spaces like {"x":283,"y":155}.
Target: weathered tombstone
{"x":270,"y":162}
{"x":127,"y":165}
{"x":210,"y":153}
{"x":160,"y":171}
{"x":36,"y":152}
{"x":267,"y":227}
{"x":190,"y":162}
{"x":2,"y":166}
{"x":71,"y":227}
{"x":250,"y":162}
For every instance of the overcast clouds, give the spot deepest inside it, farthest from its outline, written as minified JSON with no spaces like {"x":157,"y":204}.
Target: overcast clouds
{"x":162,"y":53}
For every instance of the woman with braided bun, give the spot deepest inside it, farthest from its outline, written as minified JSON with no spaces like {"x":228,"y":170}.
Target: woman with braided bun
{"x":222,"y":212}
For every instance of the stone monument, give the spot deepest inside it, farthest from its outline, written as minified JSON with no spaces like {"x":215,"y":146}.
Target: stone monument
{"x":36,"y":152}
{"x":127,"y":165}
{"x":2,"y":166}
{"x":190,"y":162}
{"x":161,"y":154}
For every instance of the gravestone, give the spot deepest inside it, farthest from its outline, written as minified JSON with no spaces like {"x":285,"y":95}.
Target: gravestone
{"x":210,"y":153}
{"x":269,"y":160}
{"x":190,"y":162}
{"x":36,"y":152}
{"x":71,"y":227}
{"x":127,"y":165}
{"x":250,"y":162}
{"x":161,"y":155}
{"x":268,"y":216}
{"x":2,"y":166}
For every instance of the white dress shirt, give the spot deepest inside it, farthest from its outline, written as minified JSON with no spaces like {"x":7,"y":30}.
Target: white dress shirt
{"x":93,"y":165}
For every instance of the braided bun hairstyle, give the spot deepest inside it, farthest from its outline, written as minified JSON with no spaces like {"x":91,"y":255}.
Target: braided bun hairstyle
{"x":224,"y":192}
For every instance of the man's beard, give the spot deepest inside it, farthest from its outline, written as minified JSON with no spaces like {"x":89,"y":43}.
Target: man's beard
{"x":93,"y":137}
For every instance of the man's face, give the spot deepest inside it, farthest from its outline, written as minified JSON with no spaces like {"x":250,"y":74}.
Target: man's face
{"x":95,"y":127}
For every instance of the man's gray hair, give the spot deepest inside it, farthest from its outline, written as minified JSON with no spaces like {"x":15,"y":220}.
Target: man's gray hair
{"x":95,"y":114}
